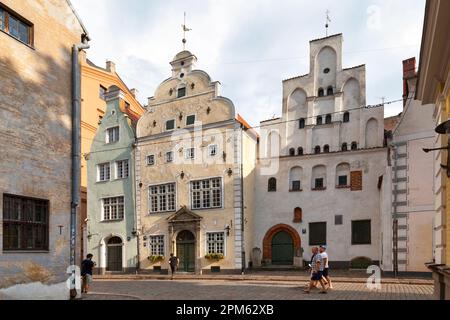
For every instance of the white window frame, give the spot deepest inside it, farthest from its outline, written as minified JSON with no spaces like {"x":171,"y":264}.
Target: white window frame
{"x":191,"y":194}
{"x":174,"y":125}
{"x":149,"y":244}
{"x":189,"y":154}
{"x":225,"y":237}
{"x":117,"y":169}
{"x":214,"y":147}
{"x":150,"y":212}
{"x":107,"y":140}
{"x":147,"y":158}
{"x":102,"y":203}
{"x":195,"y":119}
{"x":98,"y":171}
{"x":171,"y":157}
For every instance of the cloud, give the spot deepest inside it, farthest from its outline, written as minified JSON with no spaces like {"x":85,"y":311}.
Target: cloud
{"x":251,"y":46}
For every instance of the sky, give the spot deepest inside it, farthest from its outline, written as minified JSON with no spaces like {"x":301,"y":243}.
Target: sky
{"x":251,"y":46}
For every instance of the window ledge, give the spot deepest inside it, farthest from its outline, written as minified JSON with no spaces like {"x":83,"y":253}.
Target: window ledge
{"x":24,"y":43}
{"x":296,"y":190}
{"x":102,"y":182}
{"x":343,"y":187}
{"x":111,"y":221}
{"x":318,"y":189}
{"x":160,"y":212}
{"x":24,"y":251}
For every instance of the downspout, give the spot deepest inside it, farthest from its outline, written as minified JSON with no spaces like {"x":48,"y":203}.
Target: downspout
{"x":242,"y":202}
{"x":395,"y":221}
{"x":76,"y":143}
{"x":138,"y":233}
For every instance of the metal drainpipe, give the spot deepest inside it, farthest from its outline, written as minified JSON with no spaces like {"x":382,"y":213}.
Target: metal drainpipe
{"x":395,"y":221}
{"x":242,"y":201}
{"x":138,"y":233}
{"x":76,"y":144}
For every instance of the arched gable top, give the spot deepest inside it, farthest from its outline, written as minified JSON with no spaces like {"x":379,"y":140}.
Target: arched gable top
{"x":297,"y":98}
{"x":351,"y":84}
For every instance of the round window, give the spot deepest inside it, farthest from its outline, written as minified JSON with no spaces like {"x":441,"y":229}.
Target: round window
{"x":181,"y":75}
{"x":327,"y":70}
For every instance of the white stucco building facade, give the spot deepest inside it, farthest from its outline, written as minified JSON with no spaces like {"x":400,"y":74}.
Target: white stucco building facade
{"x":321,"y":166}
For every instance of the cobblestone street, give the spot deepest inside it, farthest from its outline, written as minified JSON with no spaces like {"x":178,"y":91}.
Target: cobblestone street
{"x":248,"y":290}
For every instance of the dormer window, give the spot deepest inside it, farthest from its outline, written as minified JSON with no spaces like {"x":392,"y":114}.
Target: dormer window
{"x":181,"y":92}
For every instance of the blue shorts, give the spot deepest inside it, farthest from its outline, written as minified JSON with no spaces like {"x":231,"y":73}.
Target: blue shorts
{"x":317,"y":276}
{"x":325,"y":272}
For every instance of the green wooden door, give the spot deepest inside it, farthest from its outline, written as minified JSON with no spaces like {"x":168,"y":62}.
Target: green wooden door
{"x":114,"y":255}
{"x":282,"y":249}
{"x":186,"y":251}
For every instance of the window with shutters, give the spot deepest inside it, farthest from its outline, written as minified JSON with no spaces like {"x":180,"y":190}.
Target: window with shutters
{"x":361,"y":232}
{"x":317,"y":233}
{"x":356,"y":181}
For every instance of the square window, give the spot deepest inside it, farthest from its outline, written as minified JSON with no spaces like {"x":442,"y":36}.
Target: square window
{"x":212,"y":149}
{"x":170,"y":125}
{"x":190,"y":120}
{"x":206,"y":194}
{"x":343,"y":181}
{"x":151,"y":160}
{"x":190,"y":153}
{"x":338,"y":220}
{"x":112,"y":135}
{"x":169,"y":157}
{"x":317,"y":233}
{"x":181,"y":92}
{"x":296,"y":185}
{"x":361,"y":232}
{"x":319,"y":183}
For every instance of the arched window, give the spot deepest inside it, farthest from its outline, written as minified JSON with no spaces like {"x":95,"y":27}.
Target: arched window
{"x":372,"y":133}
{"x":317,"y":150}
{"x":300,"y":151}
{"x":319,"y":178}
{"x":328,"y":119}
{"x":292,"y":152}
{"x":321,"y":92}
{"x":326,"y":149}
{"x":344,"y":147}
{"x":272,"y":185}
{"x":319,"y":120}
{"x":301,"y":123}
{"x":346,"y":117}
{"x":295,"y":178}
{"x":343,"y":175}
{"x":330,"y":91}
{"x":298,"y":215}
{"x":354,"y":146}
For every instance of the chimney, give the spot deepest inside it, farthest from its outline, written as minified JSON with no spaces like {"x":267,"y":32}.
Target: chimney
{"x":409,"y":72}
{"x":111,"y":66}
{"x":134,"y":92}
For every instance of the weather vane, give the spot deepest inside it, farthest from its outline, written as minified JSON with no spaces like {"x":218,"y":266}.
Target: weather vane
{"x":327,"y":21}
{"x":185,"y":29}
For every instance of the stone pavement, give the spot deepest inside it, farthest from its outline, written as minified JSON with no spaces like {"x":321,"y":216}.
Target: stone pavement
{"x":248,"y":290}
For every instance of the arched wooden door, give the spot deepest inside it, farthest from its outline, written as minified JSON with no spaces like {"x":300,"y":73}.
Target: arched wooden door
{"x":282,"y":249}
{"x":114,"y":254}
{"x":186,"y":251}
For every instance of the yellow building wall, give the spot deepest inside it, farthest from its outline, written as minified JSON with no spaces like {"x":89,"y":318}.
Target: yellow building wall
{"x":447,"y":215}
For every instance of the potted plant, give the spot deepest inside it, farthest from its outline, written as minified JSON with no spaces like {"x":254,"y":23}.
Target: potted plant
{"x":214,"y":256}
{"x":156,"y":258}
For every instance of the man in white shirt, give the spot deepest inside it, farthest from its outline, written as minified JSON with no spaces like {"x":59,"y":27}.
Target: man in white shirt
{"x":324,"y":255}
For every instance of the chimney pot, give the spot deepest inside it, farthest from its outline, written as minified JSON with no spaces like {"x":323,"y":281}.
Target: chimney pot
{"x":111,"y":66}
{"x":134,"y":92}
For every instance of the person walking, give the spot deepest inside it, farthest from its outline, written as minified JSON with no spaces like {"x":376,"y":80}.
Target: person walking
{"x":317,"y":273}
{"x":173,"y":262}
{"x":86,"y":272}
{"x":324,"y":254}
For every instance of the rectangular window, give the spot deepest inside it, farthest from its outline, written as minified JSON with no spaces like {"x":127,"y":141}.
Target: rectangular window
{"x":122,"y":169}
{"x":170,"y":125}
{"x":342,"y":181}
{"x":112,"y":135}
{"x":296,"y":186}
{"x":190,"y":120}
{"x":162,"y":198}
{"x":318,"y":183}
{"x":102,"y":92}
{"x":215,"y":242}
{"x":156,"y":245}
{"x":212,"y":150}
{"x":338,"y":220}
{"x":181,"y":92}
{"x":206,"y":194}
{"x":16,"y":26}
{"x":361,"y":232}
{"x":317,"y":233}
{"x":25,"y":224}
{"x":113,"y":208}
{"x":151,"y":160}
{"x":190,"y":153}
{"x":104,"y":172}
{"x":169,"y":157}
